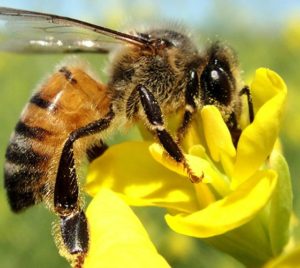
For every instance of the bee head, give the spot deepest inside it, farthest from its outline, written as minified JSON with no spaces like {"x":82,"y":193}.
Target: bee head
{"x":217,"y":79}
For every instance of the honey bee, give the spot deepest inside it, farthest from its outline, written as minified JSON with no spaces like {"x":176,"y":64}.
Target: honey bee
{"x":153,"y":75}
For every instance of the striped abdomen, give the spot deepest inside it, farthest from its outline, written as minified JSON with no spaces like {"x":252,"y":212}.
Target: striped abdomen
{"x":68,"y":100}
{"x":24,"y":167}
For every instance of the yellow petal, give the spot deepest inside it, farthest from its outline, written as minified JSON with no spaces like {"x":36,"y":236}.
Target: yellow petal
{"x":199,"y":167}
{"x":197,"y":164}
{"x":265,"y":85}
{"x":257,"y":140}
{"x":218,"y":180}
{"x":130,"y":170}
{"x":216,"y":132}
{"x":218,"y":137}
{"x":117,"y":237}
{"x":230,"y":212}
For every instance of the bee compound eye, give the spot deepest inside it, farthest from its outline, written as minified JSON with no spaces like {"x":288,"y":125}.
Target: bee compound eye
{"x":216,"y":85}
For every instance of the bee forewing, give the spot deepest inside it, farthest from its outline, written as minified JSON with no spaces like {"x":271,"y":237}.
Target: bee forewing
{"x":40,"y":37}
{"x":27,"y":31}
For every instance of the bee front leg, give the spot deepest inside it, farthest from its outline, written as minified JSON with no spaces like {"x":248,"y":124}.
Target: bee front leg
{"x":232,"y":122}
{"x":192,"y":94}
{"x":73,"y":222}
{"x":246,"y":91}
{"x":157,"y":125}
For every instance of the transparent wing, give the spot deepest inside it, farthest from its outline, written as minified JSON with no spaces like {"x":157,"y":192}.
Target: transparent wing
{"x":28,"y":31}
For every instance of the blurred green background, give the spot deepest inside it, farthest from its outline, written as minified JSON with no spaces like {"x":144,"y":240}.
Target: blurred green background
{"x":264,"y":33}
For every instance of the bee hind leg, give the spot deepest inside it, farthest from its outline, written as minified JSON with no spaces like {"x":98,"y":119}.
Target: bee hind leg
{"x":73,"y":222}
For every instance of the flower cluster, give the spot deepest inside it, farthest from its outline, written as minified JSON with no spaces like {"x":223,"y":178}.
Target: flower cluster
{"x":244,"y":200}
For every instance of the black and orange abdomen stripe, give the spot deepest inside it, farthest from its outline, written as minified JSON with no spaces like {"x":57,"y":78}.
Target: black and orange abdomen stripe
{"x":23,"y":168}
{"x":68,"y":100}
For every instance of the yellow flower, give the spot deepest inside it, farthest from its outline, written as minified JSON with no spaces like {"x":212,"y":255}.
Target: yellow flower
{"x":245,"y":194}
{"x":118,"y":238}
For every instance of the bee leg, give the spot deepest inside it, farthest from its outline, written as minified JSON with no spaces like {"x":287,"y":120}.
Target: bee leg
{"x":191,"y":95}
{"x":232,"y":121}
{"x":234,"y":129}
{"x":246,"y":91}
{"x":96,"y":150}
{"x":73,"y":222}
{"x":155,"y":119}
